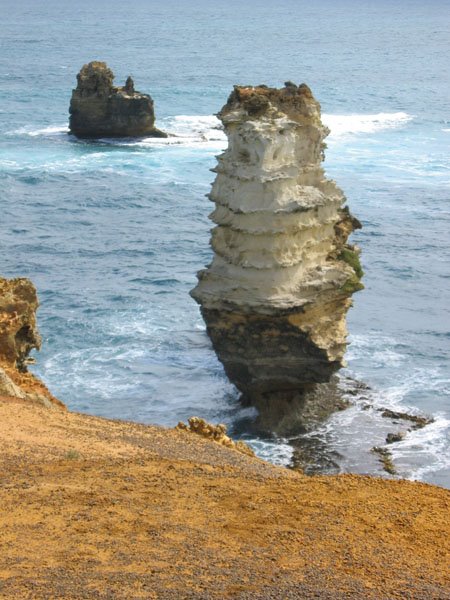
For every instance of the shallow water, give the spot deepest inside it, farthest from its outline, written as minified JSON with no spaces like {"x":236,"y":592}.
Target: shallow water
{"x":112,"y":232}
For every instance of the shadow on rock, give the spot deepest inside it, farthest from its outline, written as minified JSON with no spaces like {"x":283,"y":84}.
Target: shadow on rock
{"x":288,"y":413}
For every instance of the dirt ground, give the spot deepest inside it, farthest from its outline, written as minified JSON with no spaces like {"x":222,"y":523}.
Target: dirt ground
{"x":92,"y":508}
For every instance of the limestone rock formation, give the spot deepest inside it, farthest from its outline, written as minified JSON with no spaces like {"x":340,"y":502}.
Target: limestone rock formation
{"x":216,"y":433}
{"x":276,"y":294}
{"x":99,"y":109}
{"x":18,"y":336}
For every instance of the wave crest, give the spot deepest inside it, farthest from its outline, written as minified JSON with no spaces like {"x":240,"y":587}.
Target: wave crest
{"x":207,"y":131}
{"x":359,"y":123}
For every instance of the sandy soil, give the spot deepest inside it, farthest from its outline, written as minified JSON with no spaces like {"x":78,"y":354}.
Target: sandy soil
{"x":91,"y":508}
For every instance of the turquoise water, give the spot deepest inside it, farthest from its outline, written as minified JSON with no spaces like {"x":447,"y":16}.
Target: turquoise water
{"x":113,"y":232}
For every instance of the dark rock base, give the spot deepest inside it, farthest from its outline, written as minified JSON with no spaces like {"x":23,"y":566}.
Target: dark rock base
{"x":267,"y":355}
{"x":296,"y":412}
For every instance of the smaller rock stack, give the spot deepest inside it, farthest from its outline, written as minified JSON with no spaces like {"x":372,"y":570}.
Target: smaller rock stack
{"x":99,"y":109}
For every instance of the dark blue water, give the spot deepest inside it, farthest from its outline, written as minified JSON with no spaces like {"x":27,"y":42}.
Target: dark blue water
{"x":112,"y":233}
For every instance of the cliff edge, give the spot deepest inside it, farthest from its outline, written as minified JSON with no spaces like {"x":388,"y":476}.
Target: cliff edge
{"x":99,"y":109}
{"x":18,"y":336}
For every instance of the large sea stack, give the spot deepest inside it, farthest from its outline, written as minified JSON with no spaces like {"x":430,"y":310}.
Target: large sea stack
{"x":99,"y":109}
{"x":276,"y":294}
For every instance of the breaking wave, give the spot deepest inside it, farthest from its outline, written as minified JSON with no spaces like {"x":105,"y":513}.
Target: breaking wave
{"x":359,"y":123}
{"x":51,"y":131}
{"x":207,"y":131}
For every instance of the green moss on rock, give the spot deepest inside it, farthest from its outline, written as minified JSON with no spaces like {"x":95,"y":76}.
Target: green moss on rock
{"x":352,"y":285}
{"x":351,"y":257}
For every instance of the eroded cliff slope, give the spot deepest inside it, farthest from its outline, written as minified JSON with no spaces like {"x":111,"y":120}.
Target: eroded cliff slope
{"x":18,"y":336}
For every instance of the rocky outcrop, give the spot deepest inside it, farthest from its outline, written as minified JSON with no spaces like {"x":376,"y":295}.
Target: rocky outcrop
{"x":216,"y":433}
{"x":99,"y":109}
{"x":18,"y":336}
{"x":276,"y":294}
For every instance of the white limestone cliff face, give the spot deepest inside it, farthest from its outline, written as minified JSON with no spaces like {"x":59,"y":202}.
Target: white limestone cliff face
{"x":278,"y":289}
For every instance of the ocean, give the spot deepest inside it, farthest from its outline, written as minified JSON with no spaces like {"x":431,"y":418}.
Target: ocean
{"x":112,"y":232}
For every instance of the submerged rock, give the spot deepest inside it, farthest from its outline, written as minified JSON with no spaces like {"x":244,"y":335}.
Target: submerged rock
{"x":392,"y":437}
{"x":385,"y":458}
{"x":18,"y":336}
{"x":419,"y":421}
{"x":276,"y":294}
{"x":99,"y":109}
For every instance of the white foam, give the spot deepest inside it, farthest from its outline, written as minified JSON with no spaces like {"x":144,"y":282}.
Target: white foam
{"x":353,"y":124}
{"x":207,"y":131}
{"x":45,"y":131}
{"x":189,"y":131}
{"x":207,"y":126}
{"x":277,"y":451}
{"x":423,"y":452}
{"x":364,"y":346}
{"x":353,"y":432}
{"x":430,"y":443}
{"x":411,"y":381}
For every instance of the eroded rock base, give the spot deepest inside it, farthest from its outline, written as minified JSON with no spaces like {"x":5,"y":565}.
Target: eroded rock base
{"x":293,"y":412}
{"x":266,"y":354}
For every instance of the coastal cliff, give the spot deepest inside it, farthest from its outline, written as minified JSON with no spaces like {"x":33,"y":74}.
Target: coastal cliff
{"x":18,"y":336}
{"x":95,"y":508}
{"x":99,"y":109}
{"x":276,"y":294}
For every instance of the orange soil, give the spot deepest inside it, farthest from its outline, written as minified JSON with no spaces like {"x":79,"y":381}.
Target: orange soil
{"x":91,"y":508}
{"x":30,"y":384}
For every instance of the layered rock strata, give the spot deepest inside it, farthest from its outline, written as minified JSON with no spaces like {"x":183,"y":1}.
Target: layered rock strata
{"x":99,"y":109}
{"x":18,"y":336}
{"x":276,"y":294}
